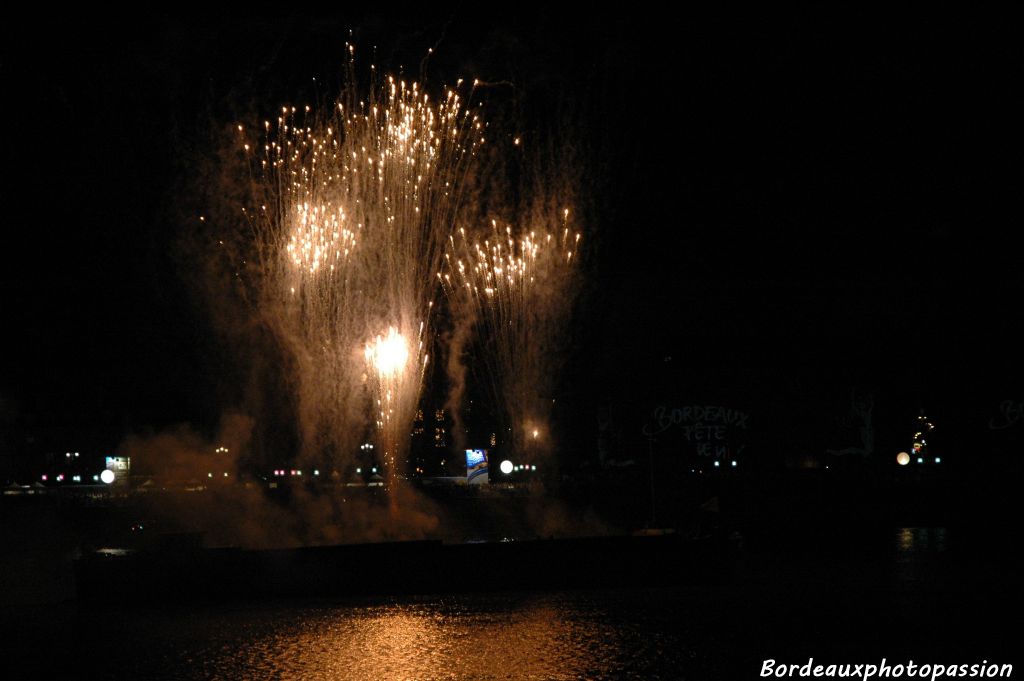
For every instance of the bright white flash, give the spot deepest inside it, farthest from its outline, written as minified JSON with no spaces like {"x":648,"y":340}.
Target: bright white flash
{"x":388,"y":354}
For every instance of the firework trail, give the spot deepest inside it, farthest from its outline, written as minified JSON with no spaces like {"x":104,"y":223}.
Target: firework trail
{"x":354,"y":209}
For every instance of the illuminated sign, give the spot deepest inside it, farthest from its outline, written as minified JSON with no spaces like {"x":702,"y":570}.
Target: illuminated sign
{"x":1010,"y":413}
{"x":707,"y":430}
{"x":476,"y":466}
{"x":118,"y":464}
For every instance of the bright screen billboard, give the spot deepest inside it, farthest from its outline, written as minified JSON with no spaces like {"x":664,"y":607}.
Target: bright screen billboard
{"x":476,"y":465}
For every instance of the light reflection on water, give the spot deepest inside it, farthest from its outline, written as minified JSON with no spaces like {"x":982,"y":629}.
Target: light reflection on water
{"x":920,"y":555}
{"x":611,"y":635}
{"x":430,"y":643}
{"x":914,"y":540}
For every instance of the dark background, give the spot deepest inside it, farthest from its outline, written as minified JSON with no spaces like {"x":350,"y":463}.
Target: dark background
{"x":785,"y":207}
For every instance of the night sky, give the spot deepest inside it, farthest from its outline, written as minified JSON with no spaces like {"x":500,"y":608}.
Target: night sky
{"x":786,"y":206}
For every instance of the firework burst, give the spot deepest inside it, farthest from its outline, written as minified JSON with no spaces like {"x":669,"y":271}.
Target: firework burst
{"x":354,"y":210}
{"x":519,"y":285}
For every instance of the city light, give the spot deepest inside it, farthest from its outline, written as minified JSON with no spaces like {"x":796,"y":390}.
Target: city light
{"x":506,"y":467}
{"x":107,"y":476}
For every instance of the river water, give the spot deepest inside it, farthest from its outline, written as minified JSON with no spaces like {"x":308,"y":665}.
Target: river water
{"x":916,"y":593}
